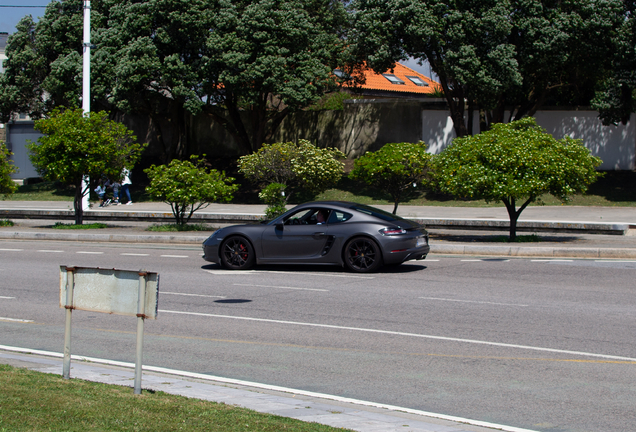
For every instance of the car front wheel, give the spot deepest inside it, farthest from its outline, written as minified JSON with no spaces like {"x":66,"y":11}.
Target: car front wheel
{"x":362,"y":255}
{"x":237,"y":254}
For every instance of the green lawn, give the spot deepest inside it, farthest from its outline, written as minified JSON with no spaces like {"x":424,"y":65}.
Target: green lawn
{"x":615,"y":188}
{"x":35,"y":401}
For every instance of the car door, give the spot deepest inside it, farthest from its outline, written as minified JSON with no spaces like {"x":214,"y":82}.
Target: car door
{"x":299,"y":238}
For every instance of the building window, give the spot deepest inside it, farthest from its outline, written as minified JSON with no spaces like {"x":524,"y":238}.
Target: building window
{"x":393,"y":79}
{"x":418,"y":81}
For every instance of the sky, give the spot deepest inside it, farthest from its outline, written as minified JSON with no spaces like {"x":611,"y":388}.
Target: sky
{"x":10,"y":16}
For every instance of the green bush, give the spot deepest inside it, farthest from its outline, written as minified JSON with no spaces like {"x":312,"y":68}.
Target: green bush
{"x":395,"y":169}
{"x":7,"y":185}
{"x":274,"y":196}
{"x":187,"y":186}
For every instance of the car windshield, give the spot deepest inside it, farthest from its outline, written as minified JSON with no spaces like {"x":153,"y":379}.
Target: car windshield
{"x":381,"y":214}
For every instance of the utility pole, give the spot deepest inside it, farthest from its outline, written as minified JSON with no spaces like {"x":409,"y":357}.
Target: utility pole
{"x":86,"y":85}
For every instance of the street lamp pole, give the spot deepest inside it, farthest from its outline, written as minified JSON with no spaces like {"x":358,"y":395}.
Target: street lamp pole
{"x":86,"y":84}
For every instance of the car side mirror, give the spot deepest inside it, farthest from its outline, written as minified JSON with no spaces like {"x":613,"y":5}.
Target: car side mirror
{"x":279,"y":226}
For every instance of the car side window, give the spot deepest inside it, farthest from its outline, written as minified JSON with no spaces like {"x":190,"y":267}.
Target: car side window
{"x":338,"y":216}
{"x":298,"y":218}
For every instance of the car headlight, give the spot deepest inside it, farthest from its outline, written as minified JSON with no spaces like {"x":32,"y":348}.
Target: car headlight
{"x":392,"y":231}
{"x":214,"y":234}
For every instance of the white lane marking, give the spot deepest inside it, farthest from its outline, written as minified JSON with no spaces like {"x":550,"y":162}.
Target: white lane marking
{"x":288,"y":273}
{"x":191,"y":295}
{"x":470,"y":260}
{"x":282,"y":287}
{"x":51,"y":251}
{"x":552,"y":260}
{"x":90,"y":253}
{"x":613,"y":261}
{"x":396,"y":333}
{"x":206,"y":377}
{"x":174,"y":256}
{"x":12,"y":250}
{"x":7,"y":298}
{"x":134,"y":254}
{"x":15,"y":319}
{"x":473,"y":301}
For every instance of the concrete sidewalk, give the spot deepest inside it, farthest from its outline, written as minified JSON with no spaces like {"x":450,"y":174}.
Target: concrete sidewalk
{"x":565,"y":231}
{"x":302,"y":405}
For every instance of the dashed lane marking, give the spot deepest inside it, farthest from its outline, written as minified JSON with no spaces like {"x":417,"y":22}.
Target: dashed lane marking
{"x":15,"y":320}
{"x":473,"y":301}
{"x":281,"y":287}
{"x":192,"y":295}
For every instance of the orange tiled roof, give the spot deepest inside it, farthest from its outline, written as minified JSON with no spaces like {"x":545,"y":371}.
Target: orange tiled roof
{"x":377,"y":81}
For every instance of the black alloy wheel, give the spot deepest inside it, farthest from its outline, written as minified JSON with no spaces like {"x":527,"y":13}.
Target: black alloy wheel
{"x":237,"y":253}
{"x":362,"y":255}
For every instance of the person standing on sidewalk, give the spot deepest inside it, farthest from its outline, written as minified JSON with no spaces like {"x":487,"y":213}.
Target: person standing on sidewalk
{"x":125,"y":185}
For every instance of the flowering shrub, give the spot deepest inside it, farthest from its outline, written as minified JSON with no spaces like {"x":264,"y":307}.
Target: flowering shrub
{"x":296,"y":166}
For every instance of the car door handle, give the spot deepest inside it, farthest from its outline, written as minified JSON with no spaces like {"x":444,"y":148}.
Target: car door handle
{"x":317,"y":235}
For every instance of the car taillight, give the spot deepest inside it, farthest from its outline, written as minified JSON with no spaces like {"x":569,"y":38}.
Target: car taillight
{"x":392,"y":231}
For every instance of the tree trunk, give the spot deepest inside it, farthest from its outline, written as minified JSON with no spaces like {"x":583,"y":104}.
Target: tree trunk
{"x":514,"y":214}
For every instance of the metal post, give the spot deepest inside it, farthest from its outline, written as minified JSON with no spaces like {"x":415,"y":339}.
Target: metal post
{"x":141,"y":314}
{"x":86,"y":84}
{"x":70,"y":283}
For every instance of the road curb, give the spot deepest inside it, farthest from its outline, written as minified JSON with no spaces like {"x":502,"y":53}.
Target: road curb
{"x":238,"y":218}
{"x":534,"y":252}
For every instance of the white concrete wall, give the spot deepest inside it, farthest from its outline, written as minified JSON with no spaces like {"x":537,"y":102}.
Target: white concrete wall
{"x":615,"y":145}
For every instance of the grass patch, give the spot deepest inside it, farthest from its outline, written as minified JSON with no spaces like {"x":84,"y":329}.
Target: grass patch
{"x":533,"y":238}
{"x":179,"y":227}
{"x":34,"y":401}
{"x":72,"y":226}
{"x":43,"y":191}
{"x":6,"y":223}
{"x":614,"y":189}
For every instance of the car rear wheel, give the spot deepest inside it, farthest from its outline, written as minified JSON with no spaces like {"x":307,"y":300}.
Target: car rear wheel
{"x":362,"y":255}
{"x":237,"y":254}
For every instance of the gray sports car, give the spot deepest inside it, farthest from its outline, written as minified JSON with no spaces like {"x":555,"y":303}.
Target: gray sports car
{"x":357,"y":236}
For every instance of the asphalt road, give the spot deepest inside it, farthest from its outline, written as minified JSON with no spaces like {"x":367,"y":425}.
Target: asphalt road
{"x":539,"y":344}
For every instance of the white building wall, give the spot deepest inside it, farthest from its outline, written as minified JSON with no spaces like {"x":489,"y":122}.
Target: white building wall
{"x":615,"y":145}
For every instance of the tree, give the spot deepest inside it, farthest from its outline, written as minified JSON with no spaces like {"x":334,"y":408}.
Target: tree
{"x":7,"y":185}
{"x":295,"y":166}
{"x":395,"y":168}
{"x":494,"y":56}
{"x":615,"y":96}
{"x":43,"y":69}
{"x":75,"y":145}
{"x":245,"y":63}
{"x":514,"y":163}
{"x":188,"y":186}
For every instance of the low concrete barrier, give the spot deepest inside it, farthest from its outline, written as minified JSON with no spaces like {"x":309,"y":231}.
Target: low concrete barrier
{"x":229,"y":219}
